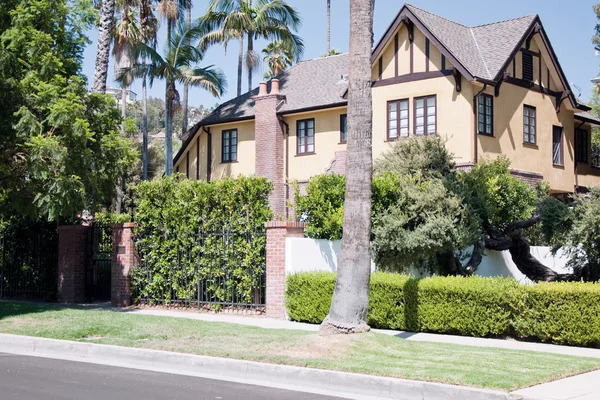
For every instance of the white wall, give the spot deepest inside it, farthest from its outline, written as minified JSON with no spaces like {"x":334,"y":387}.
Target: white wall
{"x":304,"y":255}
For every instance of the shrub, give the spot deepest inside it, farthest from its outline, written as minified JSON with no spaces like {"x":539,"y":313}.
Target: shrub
{"x":561,"y":312}
{"x":109,"y":218}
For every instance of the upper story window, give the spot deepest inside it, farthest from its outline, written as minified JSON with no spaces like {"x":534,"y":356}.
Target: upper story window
{"x":397,"y":114}
{"x":529,"y":124}
{"x":581,"y":141}
{"x":486,"y":114}
{"x":425,"y":115}
{"x":343,"y":128}
{"x":306,"y":136}
{"x":557,"y":145}
{"x":229,"y":148}
{"x":527,"y":66}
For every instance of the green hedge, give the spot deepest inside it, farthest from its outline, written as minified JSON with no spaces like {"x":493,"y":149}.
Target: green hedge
{"x":566,"y":313}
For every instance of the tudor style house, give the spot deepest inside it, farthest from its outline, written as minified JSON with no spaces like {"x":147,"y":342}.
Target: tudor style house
{"x":489,"y":90}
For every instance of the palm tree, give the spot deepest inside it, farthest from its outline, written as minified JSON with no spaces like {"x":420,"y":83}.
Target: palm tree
{"x":188,"y":21}
{"x":328,"y":46}
{"x":350,"y":302}
{"x":107,"y":14}
{"x":177,"y":65}
{"x":278,"y":56}
{"x":238,"y":19}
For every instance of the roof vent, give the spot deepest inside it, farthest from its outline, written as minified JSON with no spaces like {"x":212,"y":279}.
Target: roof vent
{"x":343,"y":79}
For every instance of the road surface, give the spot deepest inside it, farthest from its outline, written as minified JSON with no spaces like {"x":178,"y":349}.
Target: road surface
{"x":34,"y":378}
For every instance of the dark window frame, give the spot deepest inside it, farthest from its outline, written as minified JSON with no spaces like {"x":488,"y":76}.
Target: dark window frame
{"x":582,"y":145}
{"x":302,"y":148}
{"x":398,"y":119}
{"x":485,"y":97}
{"x":342,"y":133}
{"x":425,"y":116}
{"x":529,"y":125}
{"x":529,"y":57}
{"x":227,"y":144}
{"x":561,"y":161}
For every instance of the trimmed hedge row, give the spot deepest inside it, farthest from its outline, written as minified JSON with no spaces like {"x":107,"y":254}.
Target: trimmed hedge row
{"x":565,"y":313}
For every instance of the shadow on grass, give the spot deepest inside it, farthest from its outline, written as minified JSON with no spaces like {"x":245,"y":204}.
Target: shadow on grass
{"x":17,"y":308}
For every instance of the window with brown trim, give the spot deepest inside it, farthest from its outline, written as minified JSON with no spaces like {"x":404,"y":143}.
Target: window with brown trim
{"x":557,"y":145}
{"x":397,"y":117}
{"x":527,"y":66}
{"x":305,"y":130}
{"x":425,"y":115}
{"x":486,"y":114}
{"x":343,"y":128}
{"x":529,"y":124}
{"x":581,"y":141}
{"x":229,"y":146}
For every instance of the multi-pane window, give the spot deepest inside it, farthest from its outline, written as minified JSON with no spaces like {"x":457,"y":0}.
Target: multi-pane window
{"x":397,"y":119}
{"x":343,"y":128}
{"x":306,"y":136}
{"x":529,"y":124}
{"x":425,"y":115}
{"x":581,"y":140}
{"x":229,"y":148}
{"x":557,"y":145}
{"x":527,"y":66}
{"x":486,"y":114}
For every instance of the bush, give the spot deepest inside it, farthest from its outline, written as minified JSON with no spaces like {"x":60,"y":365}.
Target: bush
{"x":565,"y":313}
{"x":109,"y":218}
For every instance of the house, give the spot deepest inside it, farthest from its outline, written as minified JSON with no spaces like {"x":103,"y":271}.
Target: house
{"x":490,"y":89}
{"x":117,"y":92}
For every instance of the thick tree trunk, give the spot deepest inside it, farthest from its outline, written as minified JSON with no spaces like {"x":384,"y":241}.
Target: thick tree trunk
{"x":328,"y":47}
{"x":144,"y":131}
{"x":240,"y":66}
{"x":184,"y":122}
{"x":107,"y":15}
{"x":350,"y":302}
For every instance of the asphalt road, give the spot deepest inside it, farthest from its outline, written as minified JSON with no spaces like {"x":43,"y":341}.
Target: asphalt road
{"x":33,"y":378}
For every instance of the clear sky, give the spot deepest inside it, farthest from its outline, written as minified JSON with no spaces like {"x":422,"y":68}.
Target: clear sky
{"x":569,"y":24}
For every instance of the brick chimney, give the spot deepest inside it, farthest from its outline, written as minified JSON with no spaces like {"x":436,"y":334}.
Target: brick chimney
{"x":269,"y":142}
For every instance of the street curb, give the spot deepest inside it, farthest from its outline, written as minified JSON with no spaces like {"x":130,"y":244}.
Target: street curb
{"x":348,"y":385}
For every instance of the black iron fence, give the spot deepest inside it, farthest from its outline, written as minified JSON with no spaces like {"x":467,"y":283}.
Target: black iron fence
{"x":214,"y":271}
{"x":99,"y":263}
{"x":29,"y":262}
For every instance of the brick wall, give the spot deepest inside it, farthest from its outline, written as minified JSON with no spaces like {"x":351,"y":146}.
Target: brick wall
{"x":269,"y":145}
{"x":277,"y":231}
{"x":123,"y":259}
{"x":72,"y":258}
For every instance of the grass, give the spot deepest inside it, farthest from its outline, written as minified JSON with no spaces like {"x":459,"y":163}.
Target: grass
{"x":370,"y":353}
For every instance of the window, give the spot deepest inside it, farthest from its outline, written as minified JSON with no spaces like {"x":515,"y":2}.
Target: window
{"x":229,"y":149}
{"x":397,"y":119}
{"x":425,"y":115}
{"x":343,"y":128}
{"x":557,"y":145}
{"x":486,"y":114}
{"x":306,"y":136}
{"x":581,"y":140}
{"x":529,"y":124}
{"x":527,"y":66}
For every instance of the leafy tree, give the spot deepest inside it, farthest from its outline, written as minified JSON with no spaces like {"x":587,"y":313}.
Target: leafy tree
{"x":60,"y":151}
{"x":226,"y":20}
{"x":350,"y":301}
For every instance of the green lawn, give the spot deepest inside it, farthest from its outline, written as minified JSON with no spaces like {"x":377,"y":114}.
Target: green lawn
{"x":370,"y":353}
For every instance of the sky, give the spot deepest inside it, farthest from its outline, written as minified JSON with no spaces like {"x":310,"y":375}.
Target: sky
{"x":569,"y":25}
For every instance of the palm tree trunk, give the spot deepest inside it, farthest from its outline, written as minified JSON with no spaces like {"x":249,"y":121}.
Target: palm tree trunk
{"x":250,"y":60}
{"x":328,"y":48}
{"x":144,"y":131}
{"x":184,"y":122}
{"x":104,"y":38}
{"x":168,"y":117}
{"x":240,"y":66}
{"x":350,"y":302}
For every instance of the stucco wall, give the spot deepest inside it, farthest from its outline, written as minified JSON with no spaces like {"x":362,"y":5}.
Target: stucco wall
{"x":245,"y":163}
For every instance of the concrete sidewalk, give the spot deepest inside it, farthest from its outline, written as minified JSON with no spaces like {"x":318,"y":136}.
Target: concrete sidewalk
{"x":267,"y":323}
{"x":580,"y":387}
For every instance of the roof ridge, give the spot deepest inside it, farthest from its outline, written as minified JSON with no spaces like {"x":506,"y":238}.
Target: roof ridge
{"x":318,"y":58}
{"x":505,"y":20}
{"x":439,"y":16}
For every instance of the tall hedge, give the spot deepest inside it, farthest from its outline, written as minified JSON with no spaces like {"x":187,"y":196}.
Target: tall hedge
{"x":191,"y":231}
{"x":565,"y":313}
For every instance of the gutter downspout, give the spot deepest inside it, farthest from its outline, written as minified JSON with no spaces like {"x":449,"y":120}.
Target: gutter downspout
{"x":575,"y":156}
{"x":476,"y":156}
{"x":208,"y":153}
{"x":287,"y":166}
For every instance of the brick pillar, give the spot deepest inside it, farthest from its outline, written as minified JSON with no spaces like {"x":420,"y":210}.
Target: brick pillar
{"x":277,"y":232}
{"x":269,"y":143}
{"x":72,"y":258}
{"x":123,"y":259}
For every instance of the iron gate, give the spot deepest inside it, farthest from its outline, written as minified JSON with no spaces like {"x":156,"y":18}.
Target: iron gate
{"x":214,"y":271}
{"x":29,"y":262}
{"x":99,"y":265}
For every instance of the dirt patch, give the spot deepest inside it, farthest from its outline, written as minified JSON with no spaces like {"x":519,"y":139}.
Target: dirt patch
{"x":315,"y":346}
